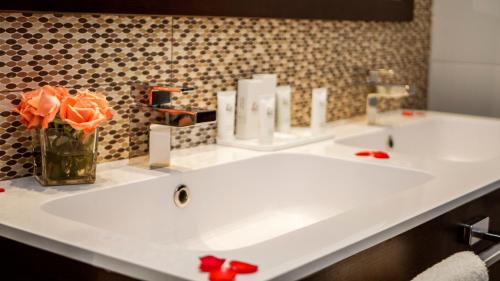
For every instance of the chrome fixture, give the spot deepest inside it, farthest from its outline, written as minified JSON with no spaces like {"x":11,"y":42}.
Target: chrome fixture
{"x":478,"y":230}
{"x":159,"y":145}
{"x":380,"y":88}
{"x":182,"y":196}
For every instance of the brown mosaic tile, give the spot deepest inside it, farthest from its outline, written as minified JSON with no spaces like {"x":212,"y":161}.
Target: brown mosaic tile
{"x":9,"y":100}
{"x":82,"y":49}
{"x":205,"y":91}
{"x":214,"y":46}
{"x":114,"y":141}
{"x":108,"y":53}
{"x":140,"y":119}
{"x":15,"y":147}
{"x":191,"y":136}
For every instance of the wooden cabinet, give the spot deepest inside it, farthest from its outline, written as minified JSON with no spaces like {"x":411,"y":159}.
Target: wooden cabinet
{"x":373,"y":10}
{"x":19,"y":262}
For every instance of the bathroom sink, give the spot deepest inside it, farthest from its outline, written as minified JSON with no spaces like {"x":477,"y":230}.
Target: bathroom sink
{"x":456,"y":138}
{"x":238,"y":204}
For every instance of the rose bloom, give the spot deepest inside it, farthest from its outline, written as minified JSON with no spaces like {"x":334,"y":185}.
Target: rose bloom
{"x":85,"y":111}
{"x":39,"y":107}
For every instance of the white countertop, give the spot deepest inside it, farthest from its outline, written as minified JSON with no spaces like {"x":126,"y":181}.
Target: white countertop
{"x":453,"y":183}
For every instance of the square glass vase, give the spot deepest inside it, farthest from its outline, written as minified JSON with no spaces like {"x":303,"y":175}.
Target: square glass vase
{"x":64,"y":156}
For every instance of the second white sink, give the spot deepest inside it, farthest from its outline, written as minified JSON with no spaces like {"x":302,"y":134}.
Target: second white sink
{"x":451,"y":138}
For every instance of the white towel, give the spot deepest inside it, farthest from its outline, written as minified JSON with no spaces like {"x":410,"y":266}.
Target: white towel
{"x":463,"y":266}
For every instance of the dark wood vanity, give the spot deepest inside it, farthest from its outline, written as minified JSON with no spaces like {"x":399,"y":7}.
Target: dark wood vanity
{"x":399,"y":258}
{"x":20,"y":262}
{"x":378,"y":10}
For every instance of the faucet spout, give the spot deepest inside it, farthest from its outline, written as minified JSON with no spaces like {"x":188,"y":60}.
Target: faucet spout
{"x":384,"y":90}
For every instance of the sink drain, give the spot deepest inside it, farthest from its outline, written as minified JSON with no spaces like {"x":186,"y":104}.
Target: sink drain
{"x":181,"y":196}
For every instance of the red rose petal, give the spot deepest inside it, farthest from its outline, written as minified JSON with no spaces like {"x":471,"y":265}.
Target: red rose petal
{"x":2,"y":189}
{"x":224,"y":274}
{"x":210,"y":263}
{"x":243,"y":267}
{"x":380,"y":155}
{"x":407,"y":113}
{"x":364,"y":153}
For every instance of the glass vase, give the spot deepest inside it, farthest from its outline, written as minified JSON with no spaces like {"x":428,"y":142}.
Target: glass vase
{"x":63,"y":155}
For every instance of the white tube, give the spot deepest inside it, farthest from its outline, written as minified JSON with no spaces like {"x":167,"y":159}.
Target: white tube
{"x":283,"y":108}
{"x":226,"y":109}
{"x":318,"y":109}
{"x":270,"y":82}
{"x":249,"y":91}
{"x":266,"y":120}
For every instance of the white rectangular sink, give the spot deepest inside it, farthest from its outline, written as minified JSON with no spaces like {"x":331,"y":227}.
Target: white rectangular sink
{"x":451,"y":138}
{"x":238,"y":204}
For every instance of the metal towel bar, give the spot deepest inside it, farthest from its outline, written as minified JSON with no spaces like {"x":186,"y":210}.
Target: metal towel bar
{"x":479,"y":230}
{"x":490,"y":256}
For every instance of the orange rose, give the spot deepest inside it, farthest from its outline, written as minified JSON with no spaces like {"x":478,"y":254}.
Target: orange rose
{"x":39,"y":107}
{"x":97,"y":98}
{"x":86,"y":111}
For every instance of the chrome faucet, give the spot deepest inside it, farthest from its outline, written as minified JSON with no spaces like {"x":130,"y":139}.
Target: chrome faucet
{"x":381,"y":89}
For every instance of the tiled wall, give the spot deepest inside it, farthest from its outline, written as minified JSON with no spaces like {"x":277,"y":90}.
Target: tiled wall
{"x":108,"y":53}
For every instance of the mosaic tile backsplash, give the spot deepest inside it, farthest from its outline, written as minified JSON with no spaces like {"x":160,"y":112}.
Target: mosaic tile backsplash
{"x":109,"y":53}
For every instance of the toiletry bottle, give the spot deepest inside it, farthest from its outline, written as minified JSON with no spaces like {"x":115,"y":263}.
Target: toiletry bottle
{"x":249,"y":91}
{"x":283,"y":108}
{"x":266,"y":120}
{"x":159,"y":146}
{"x":318,"y":109}
{"x":270,"y":82}
{"x":226,"y":108}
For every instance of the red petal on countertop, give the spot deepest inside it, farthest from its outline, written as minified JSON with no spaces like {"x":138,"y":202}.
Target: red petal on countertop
{"x":224,"y":274}
{"x":407,"y":113}
{"x":2,"y":189}
{"x":210,"y":263}
{"x":243,"y":267}
{"x":420,"y":113}
{"x":364,"y":153}
{"x":380,"y":155}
